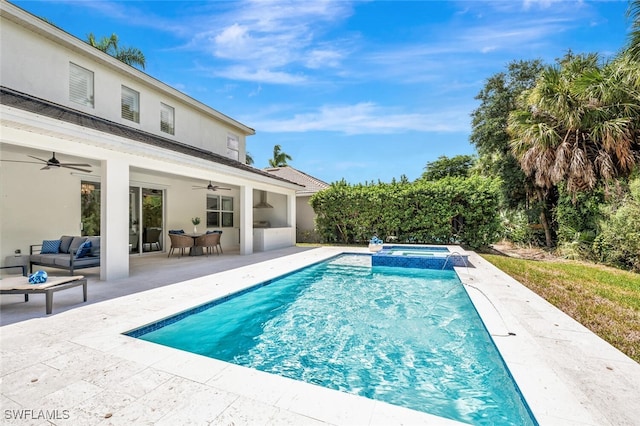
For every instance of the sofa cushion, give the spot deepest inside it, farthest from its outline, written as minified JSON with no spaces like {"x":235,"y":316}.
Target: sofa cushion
{"x":65,"y":242}
{"x":75,"y":244}
{"x":84,"y":249}
{"x":95,"y":246}
{"x":83,"y":262}
{"x":47,"y":258}
{"x":50,"y":246}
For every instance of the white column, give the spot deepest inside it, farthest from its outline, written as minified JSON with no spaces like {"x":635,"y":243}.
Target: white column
{"x":114,"y":220}
{"x":246,"y":219}
{"x":291,"y":215}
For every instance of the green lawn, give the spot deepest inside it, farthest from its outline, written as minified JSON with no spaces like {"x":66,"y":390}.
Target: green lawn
{"x":605,"y":300}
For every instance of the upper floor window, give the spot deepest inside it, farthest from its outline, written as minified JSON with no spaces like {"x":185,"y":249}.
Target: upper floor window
{"x":233,"y":147}
{"x":167,"y":123}
{"x":80,"y":85}
{"x":130,"y":104}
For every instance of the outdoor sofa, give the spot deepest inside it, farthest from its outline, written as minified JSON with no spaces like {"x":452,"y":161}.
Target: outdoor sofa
{"x":69,"y":253}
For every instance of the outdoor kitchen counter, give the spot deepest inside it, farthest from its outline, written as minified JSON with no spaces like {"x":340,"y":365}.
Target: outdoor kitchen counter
{"x":272,"y":238}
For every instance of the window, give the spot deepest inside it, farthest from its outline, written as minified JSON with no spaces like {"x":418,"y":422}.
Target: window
{"x":166,"y":119}
{"x":130,"y":104}
{"x":80,"y":85}
{"x":233,"y":147}
{"x":219,"y":211}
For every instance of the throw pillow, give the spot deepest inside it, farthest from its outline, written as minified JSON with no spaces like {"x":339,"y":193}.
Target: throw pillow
{"x":76,"y":243}
{"x":176,"y":231}
{"x":83,"y":250}
{"x":50,"y":246}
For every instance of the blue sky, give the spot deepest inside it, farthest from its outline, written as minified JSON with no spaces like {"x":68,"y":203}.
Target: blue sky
{"x":365,"y":90}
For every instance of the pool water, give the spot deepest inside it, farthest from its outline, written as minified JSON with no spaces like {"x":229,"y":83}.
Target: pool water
{"x":409,"y":337}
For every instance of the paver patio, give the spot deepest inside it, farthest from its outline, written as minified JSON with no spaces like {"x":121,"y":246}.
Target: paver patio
{"x":77,"y":364}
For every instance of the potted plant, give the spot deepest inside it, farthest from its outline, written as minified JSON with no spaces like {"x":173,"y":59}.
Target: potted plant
{"x":196,"y":222}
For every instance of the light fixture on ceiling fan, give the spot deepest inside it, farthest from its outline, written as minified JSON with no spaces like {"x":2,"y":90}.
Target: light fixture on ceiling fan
{"x":211,"y":187}
{"x":53,"y":162}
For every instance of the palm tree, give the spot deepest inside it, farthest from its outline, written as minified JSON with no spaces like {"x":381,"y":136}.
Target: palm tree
{"x":279,"y":157}
{"x":129,"y":55}
{"x":248,"y":159}
{"x":634,"y":38}
{"x":578,"y":124}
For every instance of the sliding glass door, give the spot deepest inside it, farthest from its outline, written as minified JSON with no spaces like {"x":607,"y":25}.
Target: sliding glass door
{"x":146,"y":220}
{"x":90,"y":208}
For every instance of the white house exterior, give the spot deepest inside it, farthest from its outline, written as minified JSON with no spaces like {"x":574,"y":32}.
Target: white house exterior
{"x":305,"y":216}
{"x":140,"y":137}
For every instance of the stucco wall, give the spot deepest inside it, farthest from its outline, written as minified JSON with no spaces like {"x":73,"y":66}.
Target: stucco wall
{"x":36,"y":205}
{"x":305,"y":216}
{"x":38,"y":66}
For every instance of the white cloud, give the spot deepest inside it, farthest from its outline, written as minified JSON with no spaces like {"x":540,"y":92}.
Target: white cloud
{"x":261,"y":75}
{"x":321,"y":58}
{"x":232,"y":38}
{"x":366,"y":118}
{"x":274,"y":36}
{"x":544,"y":4}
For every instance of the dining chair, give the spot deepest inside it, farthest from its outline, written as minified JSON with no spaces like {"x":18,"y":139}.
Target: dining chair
{"x":208,"y":242}
{"x":181,"y":242}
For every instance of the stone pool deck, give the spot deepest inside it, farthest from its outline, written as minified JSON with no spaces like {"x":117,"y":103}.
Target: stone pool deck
{"x":77,"y":367}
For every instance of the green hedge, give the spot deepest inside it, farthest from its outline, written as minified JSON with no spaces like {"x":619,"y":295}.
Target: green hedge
{"x":451,"y":210}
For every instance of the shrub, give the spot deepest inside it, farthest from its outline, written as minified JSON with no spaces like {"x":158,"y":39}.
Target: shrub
{"x":450,"y":210}
{"x":618,"y":243}
{"x":577,"y":217}
{"x":515,"y":227}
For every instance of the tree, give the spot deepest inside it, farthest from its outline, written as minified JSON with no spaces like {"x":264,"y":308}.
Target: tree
{"x":458,"y":166}
{"x":489,"y":128}
{"x":248,"y":160}
{"x":634,"y":38}
{"x":578,"y":125}
{"x":280,"y":158}
{"x":129,"y":55}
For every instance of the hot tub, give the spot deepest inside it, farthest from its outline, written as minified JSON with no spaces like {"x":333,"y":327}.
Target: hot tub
{"x":413,"y":256}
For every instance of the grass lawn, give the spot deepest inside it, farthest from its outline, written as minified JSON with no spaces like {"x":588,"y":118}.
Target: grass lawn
{"x":605,"y":300}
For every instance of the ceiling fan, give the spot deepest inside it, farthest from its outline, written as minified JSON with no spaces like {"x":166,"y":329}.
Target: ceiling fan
{"x":54,"y":162}
{"x":211,"y":187}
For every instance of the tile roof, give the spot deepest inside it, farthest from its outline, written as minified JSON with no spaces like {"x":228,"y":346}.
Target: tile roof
{"x":39,"y":106}
{"x":311,"y":184}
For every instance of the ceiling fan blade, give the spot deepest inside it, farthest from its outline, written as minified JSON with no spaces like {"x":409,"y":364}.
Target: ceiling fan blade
{"x":76,"y":164}
{"x":66,"y":166}
{"x":45,"y":167}
{"x":21,"y":161}
{"x":220,"y":187}
{"x":198,"y":187}
{"x":44,"y":161}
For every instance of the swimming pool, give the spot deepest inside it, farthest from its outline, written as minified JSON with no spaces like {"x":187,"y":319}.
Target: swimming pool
{"x":405,"y":336}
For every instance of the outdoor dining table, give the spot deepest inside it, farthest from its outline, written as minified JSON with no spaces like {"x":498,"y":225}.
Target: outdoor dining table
{"x":195,"y":250}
